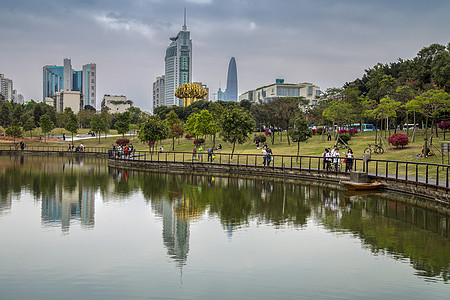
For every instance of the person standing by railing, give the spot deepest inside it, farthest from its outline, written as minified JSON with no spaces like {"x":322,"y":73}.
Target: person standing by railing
{"x":349,"y":160}
{"x":264,"y":154}
{"x":200,"y":153}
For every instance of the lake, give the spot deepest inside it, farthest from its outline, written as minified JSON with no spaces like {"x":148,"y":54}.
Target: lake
{"x":73,"y":228}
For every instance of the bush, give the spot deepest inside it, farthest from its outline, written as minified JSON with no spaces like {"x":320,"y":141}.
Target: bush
{"x":187,"y":136}
{"x":199,"y":141}
{"x":444,"y":125}
{"x":345,"y":137}
{"x":122,"y":142}
{"x":319,"y":130}
{"x":353,"y":131}
{"x":260,"y":138}
{"x":343,"y":131}
{"x":398,"y":139}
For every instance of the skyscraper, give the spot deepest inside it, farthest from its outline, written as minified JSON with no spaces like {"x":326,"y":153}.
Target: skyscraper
{"x":88,"y":85}
{"x":178,"y":64}
{"x":57,"y":78}
{"x":6,"y":88}
{"x":231,"y":93}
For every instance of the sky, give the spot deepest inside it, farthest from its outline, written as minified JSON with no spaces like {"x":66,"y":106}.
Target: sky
{"x":324,"y":42}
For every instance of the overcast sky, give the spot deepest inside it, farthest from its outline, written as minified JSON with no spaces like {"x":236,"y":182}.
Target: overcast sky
{"x":325,"y":42}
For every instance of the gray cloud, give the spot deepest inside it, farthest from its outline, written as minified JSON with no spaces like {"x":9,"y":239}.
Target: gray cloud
{"x":324,"y":42}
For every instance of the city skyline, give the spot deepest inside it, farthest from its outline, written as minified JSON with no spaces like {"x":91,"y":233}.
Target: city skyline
{"x":327,"y":43}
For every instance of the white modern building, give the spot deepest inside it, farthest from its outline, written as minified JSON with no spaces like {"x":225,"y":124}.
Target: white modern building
{"x":116,"y":104}
{"x":308,"y":91}
{"x":159,"y":91}
{"x":63,"y":99}
{"x":178,"y":65}
{"x":6,"y":88}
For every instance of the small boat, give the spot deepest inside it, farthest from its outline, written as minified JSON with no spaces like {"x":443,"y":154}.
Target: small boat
{"x":355,"y":186}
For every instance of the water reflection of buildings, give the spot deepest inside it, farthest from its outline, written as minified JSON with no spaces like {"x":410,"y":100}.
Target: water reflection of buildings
{"x":176,"y":217}
{"x":64,"y":205}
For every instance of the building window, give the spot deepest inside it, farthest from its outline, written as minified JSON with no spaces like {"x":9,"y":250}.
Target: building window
{"x":310,"y":90}
{"x":317,"y":93}
{"x":314,"y":102}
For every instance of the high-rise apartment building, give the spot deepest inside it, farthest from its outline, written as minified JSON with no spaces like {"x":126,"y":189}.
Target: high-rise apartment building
{"x":6,"y":88}
{"x":178,"y":65}
{"x":159,"y":91}
{"x":88,"y":86}
{"x":57,"y":78}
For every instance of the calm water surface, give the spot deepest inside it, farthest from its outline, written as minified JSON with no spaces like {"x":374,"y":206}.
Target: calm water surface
{"x":75,"y":229}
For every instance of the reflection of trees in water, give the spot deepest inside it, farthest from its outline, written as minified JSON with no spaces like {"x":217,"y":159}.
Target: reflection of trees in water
{"x":384,"y":226}
{"x":64,"y":185}
{"x":393,"y":228}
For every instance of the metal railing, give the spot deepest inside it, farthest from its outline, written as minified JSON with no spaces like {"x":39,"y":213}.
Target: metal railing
{"x":418,"y":173}
{"x":12,"y":147}
{"x":432,"y":175}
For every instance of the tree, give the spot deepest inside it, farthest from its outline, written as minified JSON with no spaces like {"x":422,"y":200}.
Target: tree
{"x":46,"y":125}
{"x":85,"y":117}
{"x":106,"y":119}
{"x":5,"y":114}
{"x":72,"y":121}
{"x":152,"y":131}
{"x":205,"y":123}
{"x":301,"y":132}
{"x":97,"y":125}
{"x":14,"y":130}
{"x":29,"y":125}
{"x":216,"y":111}
{"x":387,"y":109}
{"x":172,"y":122}
{"x":237,"y":124}
{"x":123,"y":123}
{"x":430,"y":103}
{"x":283,"y":112}
{"x":190,"y":125}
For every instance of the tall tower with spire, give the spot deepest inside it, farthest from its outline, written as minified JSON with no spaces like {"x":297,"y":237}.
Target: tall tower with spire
{"x":231,"y":93}
{"x":178,"y":64}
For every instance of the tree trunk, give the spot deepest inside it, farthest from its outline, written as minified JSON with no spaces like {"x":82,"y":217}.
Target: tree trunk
{"x":414,"y":129}
{"x":232,"y":151}
{"x":425,"y":147}
{"x":298,"y":149}
{"x":173,"y":143}
{"x":289,"y":140}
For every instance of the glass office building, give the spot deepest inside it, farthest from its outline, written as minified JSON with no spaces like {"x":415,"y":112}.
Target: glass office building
{"x":178,"y":65}
{"x":57,"y":78}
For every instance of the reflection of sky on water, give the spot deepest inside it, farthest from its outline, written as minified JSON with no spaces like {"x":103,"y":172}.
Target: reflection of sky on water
{"x":75,"y":194}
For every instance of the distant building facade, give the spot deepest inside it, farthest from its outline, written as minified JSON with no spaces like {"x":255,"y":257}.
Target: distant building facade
{"x":57,"y":78}
{"x":6,"y":88}
{"x":116,"y":104}
{"x":178,"y":65}
{"x":62,"y":99}
{"x":159,"y":87}
{"x":17,"y":98}
{"x":308,"y":91}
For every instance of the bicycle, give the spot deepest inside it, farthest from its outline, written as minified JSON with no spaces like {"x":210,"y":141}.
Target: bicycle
{"x":377,"y":149}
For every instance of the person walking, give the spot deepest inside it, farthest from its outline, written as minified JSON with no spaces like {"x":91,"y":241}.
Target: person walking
{"x":210,"y":154}
{"x":264,"y":154}
{"x":269,"y":155}
{"x":328,"y":135}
